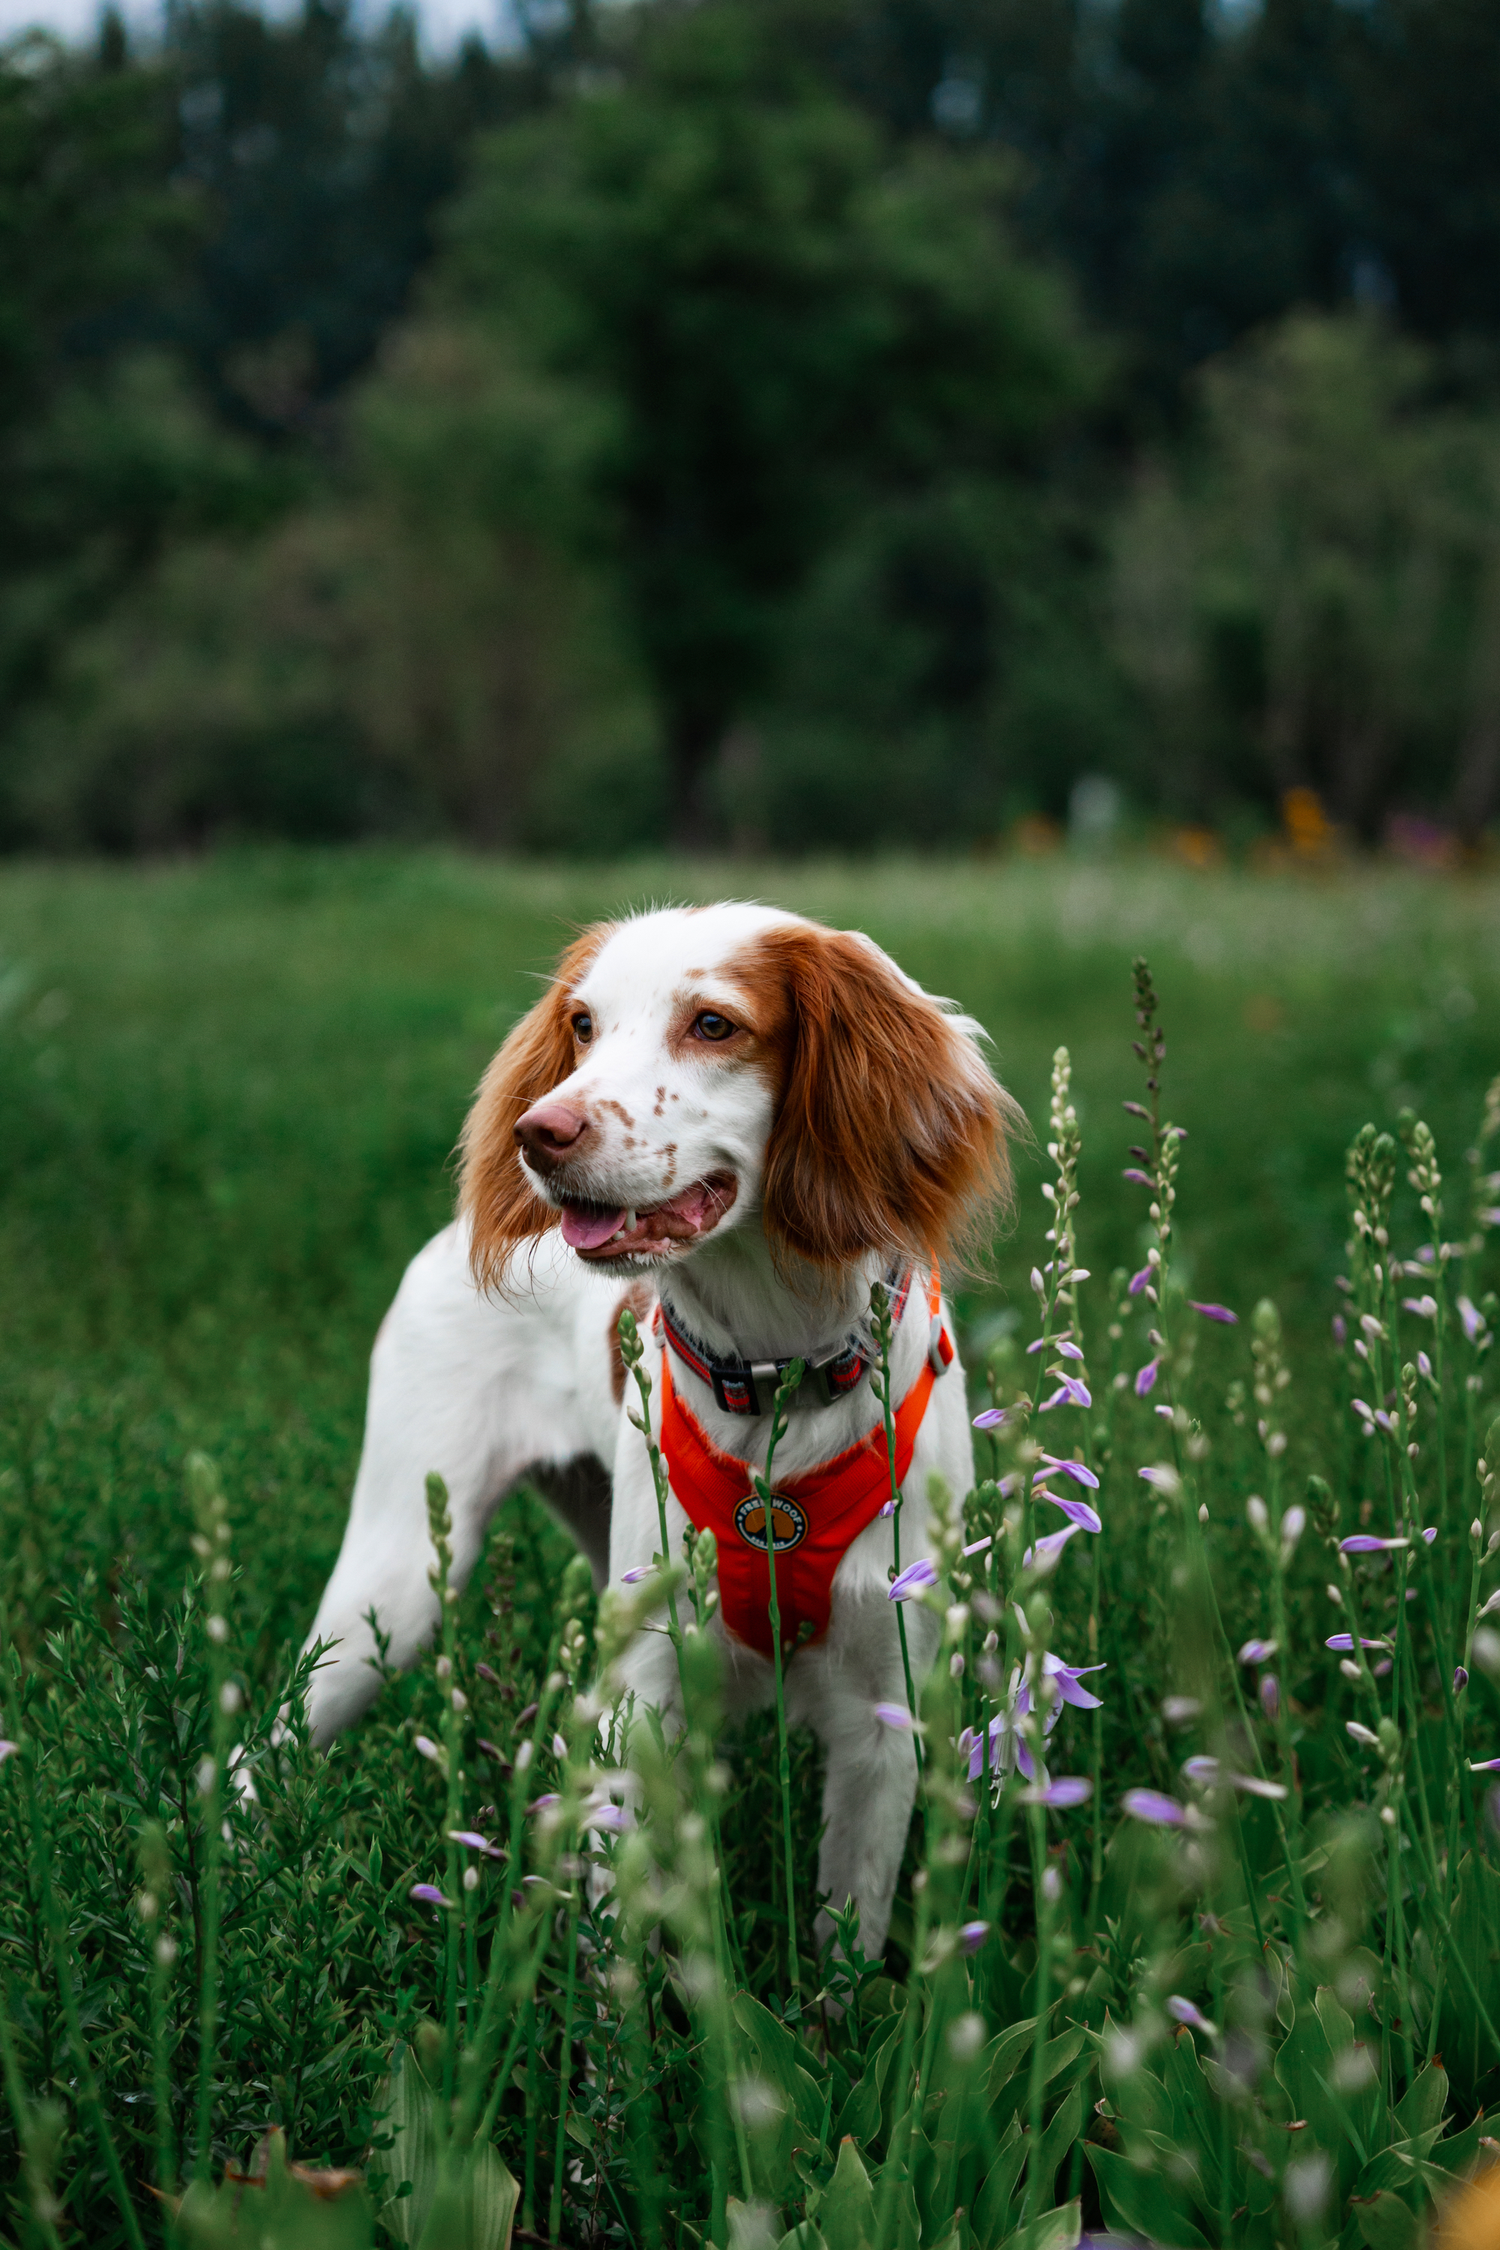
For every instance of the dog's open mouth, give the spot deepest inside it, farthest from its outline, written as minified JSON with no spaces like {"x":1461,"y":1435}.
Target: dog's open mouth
{"x":609,"y":1230}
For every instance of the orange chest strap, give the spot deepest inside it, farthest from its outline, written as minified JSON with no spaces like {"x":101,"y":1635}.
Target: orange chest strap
{"x":816,"y":1516}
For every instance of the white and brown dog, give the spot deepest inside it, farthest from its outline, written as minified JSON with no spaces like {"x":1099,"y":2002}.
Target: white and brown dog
{"x":735,"y":1121}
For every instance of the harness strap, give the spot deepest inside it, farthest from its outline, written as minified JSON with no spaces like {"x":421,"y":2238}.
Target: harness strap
{"x":816,"y":1516}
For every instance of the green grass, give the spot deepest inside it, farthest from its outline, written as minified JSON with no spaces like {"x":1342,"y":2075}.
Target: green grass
{"x":230,"y":1095}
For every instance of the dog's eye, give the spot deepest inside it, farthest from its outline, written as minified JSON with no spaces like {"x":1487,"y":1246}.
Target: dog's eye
{"x":583,"y":1029}
{"x":711,"y":1026}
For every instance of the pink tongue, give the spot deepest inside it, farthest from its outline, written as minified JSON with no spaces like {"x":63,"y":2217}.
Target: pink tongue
{"x":587,"y":1230}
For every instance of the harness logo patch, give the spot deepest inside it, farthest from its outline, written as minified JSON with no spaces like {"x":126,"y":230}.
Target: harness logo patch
{"x":788,"y":1523}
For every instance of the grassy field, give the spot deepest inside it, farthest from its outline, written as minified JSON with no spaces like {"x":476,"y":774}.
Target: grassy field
{"x":230,"y":1095}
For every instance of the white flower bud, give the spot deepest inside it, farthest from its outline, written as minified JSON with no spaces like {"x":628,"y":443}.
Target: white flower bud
{"x":444,"y":1668}
{"x":230,"y":1698}
{"x":1259,"y":1515}
{"x":471,"y":1878}
{"x":217,"y":1629}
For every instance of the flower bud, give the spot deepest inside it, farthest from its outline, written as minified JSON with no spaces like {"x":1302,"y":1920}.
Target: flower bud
{"x":1256,"y":1510}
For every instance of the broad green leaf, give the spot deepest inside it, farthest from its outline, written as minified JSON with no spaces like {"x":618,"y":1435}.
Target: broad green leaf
{"x":1419,"y":2113}
{"x":407,"y":2102}
{"x":1143,"y":2202}
{"x":846,"y":2215}
{"x":803,"y":2237}
{"x":1385,"y":2222}
{"x":1003,"y":2054}
{"x":1057,"y":2054}
{"x":478,"y":2211}
{"x":780,"y":2057}
{"x":992,"y":2211}
{"x":1061,"y":2131}
{"x":1054,"y":2230}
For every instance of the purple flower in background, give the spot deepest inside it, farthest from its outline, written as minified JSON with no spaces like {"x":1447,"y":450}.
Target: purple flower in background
{"x":1424,"y":1365}
{"x":1345,"y":1641}
{"x":607,"y":1816}
{"x":1066,"y":1348}
{"x":1065,"y":1678}
{"x":1429,"y":1535}
{"x":1340,"y":1329}
{"x":972,"y":1936}
{"x":1270,"y":1696}
{"x":1069,"y":1392}
{"x":1253,"y":1786}
{"x":425,"y":1745}
{"x":990,"y":1419}
{"x":428,"y":1894}
{"x":1146,"y":1380}
{"x":548,"y":1798}
{"x":1471,"y":1316}
{"x":471,"y":1838}
{"x":889,"y":1509}
{"x":1484,"y":1765}
{"x":1061,"y":1795}
{"x":1460,"y":1678}
{"x":634,"y":1577}
{"x":895,"y":1715}
{"x":1152,"y":1806}
{"x":1366,"y":1543}
{"x":1076,"y":1511}
{"x":1073,"y":1469}
{"x":1256,"y":1652}
{"x":1138,"y":1281}
{"x":7,"y":1749}
{"x":1160,"y":1475}
{"x":912,"y":1580}
{"x":1141,"y":1179}
{"x":1221,"y":1313}
{"x":1183,"y":2011}
{"x":979,"y":1546}
{"x":1043,"y":1556}
{"x":1202,"y":1772}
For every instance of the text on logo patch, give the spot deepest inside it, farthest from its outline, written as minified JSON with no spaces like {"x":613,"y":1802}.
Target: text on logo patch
{"x":788,"y":1523}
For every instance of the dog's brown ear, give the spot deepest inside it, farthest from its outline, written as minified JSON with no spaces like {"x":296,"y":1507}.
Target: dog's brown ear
{"x":494,"y":1194}
{"x":890,"y":1132}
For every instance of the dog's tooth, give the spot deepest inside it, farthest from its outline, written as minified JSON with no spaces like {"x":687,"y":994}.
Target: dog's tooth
{"x":629,"y":1222}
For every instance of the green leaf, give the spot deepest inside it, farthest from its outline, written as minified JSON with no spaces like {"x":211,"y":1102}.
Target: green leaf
{"x":846,"y":2215}
{"x":1143,"y":2201}
{"x":1385,"y":2222}
{"x":1061,"y":2131}
{"x":992,"y":2204}
{"x":1054,"y":2230}
{"x":407,"y":2102}
{"x":478,"y":2212}
{"x":780,"y":2057}
{"x":1057,"y":2054}
{"x":1419,"y":2113}
{"x":803,"y":2237}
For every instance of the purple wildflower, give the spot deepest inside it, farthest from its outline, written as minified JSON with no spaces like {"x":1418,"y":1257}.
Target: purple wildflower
{"x":1429,"y":1535}
{"x":425,"y":1745}
{"x":1070,"y":1392}
{"x":1340,"y":1329}
{"x":1076,"y":1511}
{"x":889,"y":1509}
{"x":1061,"y":1795}
{"x":979,"y":1546}
{"x":1073,"y":1469}
{"x":1471,"y":1316}
{"x":1460,"y":1678}
{"x":1066,"y":1348}
{"x":1183,"y":2011}
{"x":1145,"y":1381}
{"x":547,"y":1799}
{"x":1484,"y":1765}
{"x":1065,"y":1678}
{"x":895,"y":1715}
{"x":1220,"y":1313}
{"x":1043,"y":1556}
{"x":1256,"y":1652}
{"x":1202,"y":1772}
{"x":1345,"y":1641}
{"x":1151,"y":1805}
{"x":7,"y":1749}
{"x":990,"y":1419}
{"x":1160,"y":1475}
{"x":1270,"y":1696}
{"x":972,"y":1936}
{"x":428,"y":1894}
{"x":471,"y":1838}
{"x":1424,"y":1365}
{"x":1138,"y":1281}
{"x":634,"y":1577}
{"x":912,"y":1580}
{"x":1140,"y":1178}
{"x":608,"y":1816}
{"x":1253,"y":1786}
{"x":1366,"y":1543}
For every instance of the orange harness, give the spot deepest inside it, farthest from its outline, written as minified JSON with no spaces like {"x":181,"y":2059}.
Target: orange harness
{"x":815,"y":1516}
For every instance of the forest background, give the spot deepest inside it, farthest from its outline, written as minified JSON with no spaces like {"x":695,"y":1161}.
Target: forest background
{"x":779,"y":424}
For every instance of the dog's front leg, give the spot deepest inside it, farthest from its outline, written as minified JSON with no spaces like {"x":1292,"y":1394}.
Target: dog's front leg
{"x":872,"y":1767}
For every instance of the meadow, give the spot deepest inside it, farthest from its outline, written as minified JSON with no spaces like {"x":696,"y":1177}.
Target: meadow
{"x":1240,"y":1985}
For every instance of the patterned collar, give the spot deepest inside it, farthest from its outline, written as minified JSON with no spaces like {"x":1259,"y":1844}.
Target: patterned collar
{"x":743,"y":1386}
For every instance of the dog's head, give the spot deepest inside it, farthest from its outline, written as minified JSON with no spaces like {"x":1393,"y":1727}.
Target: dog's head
{"x":692,"y":1070}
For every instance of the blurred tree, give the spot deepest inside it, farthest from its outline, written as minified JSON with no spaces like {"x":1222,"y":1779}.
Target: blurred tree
{"x":1312,"y":596}
{"x":780,"y":323}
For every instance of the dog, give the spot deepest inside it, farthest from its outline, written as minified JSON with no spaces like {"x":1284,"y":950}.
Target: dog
{"x":734,"y":1121}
